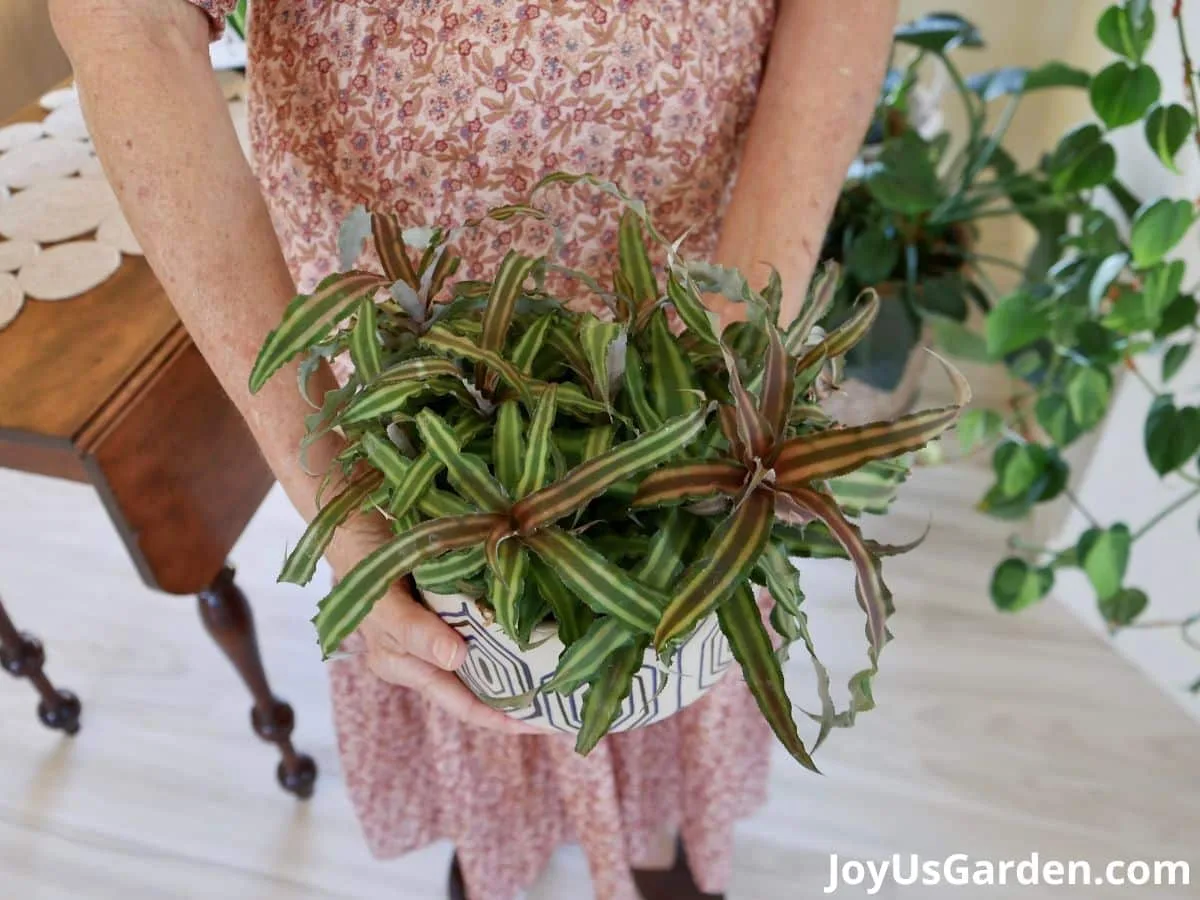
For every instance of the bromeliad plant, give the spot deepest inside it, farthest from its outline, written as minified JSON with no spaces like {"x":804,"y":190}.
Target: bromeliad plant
{"x":618,"y":476}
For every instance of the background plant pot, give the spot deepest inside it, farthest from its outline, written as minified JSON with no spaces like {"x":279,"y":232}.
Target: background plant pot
{"x":504,"y":676}
{"x":858,"y":402}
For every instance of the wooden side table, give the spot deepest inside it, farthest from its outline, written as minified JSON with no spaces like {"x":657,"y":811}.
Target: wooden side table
{"x":109,"y":390}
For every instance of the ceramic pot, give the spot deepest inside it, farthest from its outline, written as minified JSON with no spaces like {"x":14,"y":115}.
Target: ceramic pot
{"x":856,"y":402}
{"x":506,"y":677}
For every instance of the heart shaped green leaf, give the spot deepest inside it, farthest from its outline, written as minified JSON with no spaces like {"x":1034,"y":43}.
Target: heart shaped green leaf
{"x":1121,"y":94}
{"x":1174,"y":359}
{"x":1125,"y":33}
{"x":1172,"y":434}
{"x":1167,"y":127}
{"x":1104,"y":556}
{"x":1017,"y":585}
{"x":1158,"y":227}
{"x":1124,"y":606}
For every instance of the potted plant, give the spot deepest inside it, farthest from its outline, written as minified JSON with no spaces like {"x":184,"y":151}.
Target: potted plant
{"x":593,"y":502}
{"x":1107,"y":303}
{"x":905,"y":221}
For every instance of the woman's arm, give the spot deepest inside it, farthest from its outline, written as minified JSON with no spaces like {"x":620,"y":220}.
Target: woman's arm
{"x":163,"y":133}
{"x":823,"y":76}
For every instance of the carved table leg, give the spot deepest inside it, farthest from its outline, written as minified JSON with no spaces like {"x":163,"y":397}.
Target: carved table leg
{"x":22,"y":656}
{"x":230,"y":622}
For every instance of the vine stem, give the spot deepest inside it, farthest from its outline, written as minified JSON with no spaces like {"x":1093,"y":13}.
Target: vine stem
{"x":1189,"y":71}
{"x":1132,"y":367}
{"x":1166,"y":511}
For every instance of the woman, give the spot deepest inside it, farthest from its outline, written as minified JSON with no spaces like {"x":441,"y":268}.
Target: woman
{"x":438,"y":109}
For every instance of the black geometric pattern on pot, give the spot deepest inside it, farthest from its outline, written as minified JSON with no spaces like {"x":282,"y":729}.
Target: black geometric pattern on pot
{"x":643,"y":703}
{"x":562,"y":713}
{"x":491,"y":670}
{"x":715,"y":655}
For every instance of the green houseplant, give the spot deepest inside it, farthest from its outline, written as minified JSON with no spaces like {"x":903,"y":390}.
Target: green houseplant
{"x":905,"y":223}
{"x":1101,"y":300}
{"x":612,"y":480}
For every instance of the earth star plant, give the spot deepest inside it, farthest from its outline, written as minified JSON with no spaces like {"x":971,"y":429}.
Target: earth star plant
{"x":621,"y":477}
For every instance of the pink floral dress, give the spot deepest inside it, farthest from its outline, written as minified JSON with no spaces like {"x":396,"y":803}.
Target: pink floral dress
{"x":440,"y":109}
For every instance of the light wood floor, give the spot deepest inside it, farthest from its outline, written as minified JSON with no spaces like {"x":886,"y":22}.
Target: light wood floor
{"x":995,"y":736}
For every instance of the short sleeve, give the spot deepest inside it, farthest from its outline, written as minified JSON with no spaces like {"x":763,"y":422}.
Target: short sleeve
{"x":216,"y":10}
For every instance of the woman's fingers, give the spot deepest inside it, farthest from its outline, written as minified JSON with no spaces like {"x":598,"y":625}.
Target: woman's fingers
{"x":400,"y":624}
{"x":442,"y":689}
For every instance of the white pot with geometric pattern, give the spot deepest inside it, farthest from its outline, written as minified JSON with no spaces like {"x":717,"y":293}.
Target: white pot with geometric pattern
{"x":506,"y":677}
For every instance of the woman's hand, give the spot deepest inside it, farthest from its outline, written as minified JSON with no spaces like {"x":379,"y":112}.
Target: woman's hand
{"x":408,"y":645}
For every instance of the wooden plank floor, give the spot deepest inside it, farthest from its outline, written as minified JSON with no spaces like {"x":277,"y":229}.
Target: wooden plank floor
{"x":995,"y":736}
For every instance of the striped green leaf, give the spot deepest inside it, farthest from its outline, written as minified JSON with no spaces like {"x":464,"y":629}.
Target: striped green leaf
{"x":301,"y":563}
{"x":419,"y":370}
{"x":506,"y":583}
{"x":626,"y":308}
{"x":441,"y":339}
{"x":597,"y":339}
{"x":667,"y":548}
{"x":454,"y":567}
{"x":778,"y":385}
{"x":415,"y":490}
{"x":742,"y":624}
{"x":829,"y":717}
{"x":689,"y":481}
{"x":728,"y":421}
{"x":634,"y":261}
{"x":606,"y":588}
{"x":443,"y":269}
{"x":387,"y":398}
{"x":563,"y":338}
{"x":873,"y":594}
{"x":414,"y":485}
{"x":389,"y":244}
{"x":725,"y":562}
{"x":695,"y":315}
{"x":781,"y":578}
{"x":530,"y":344}
{"x":872,"y":488}
{"x":828,"y":454}
{"x":532,"y":611}
{"x":536,"y":463}
{"x":573,"y":616}
{"x":365,"y":351}
{"x":587,"y":657}
{"x":602,"y":702}
{"x":508,"y":445}
{"x":846,"y":335}
{"x":598,"y":440}
{"x":386,"y":458}
{"x":467,"y":473}
{"x":571,"y":399}
{"x":805,"y":378}
{"x":437,"y":504}
{"x":644,"y":414}
{"x":502,"y":299}
{"x":514,"y":210}
{"x":308,"y":320}
{"x":673,"y":387}
{"x":816,"y":305}
{"x":590,"y":479}
{"x":753,"y":431}
{"x":351,"y":599}
{"x":773,"y":294}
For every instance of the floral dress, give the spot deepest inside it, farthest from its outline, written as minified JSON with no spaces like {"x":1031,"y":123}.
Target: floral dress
{"x":439,"y":110}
